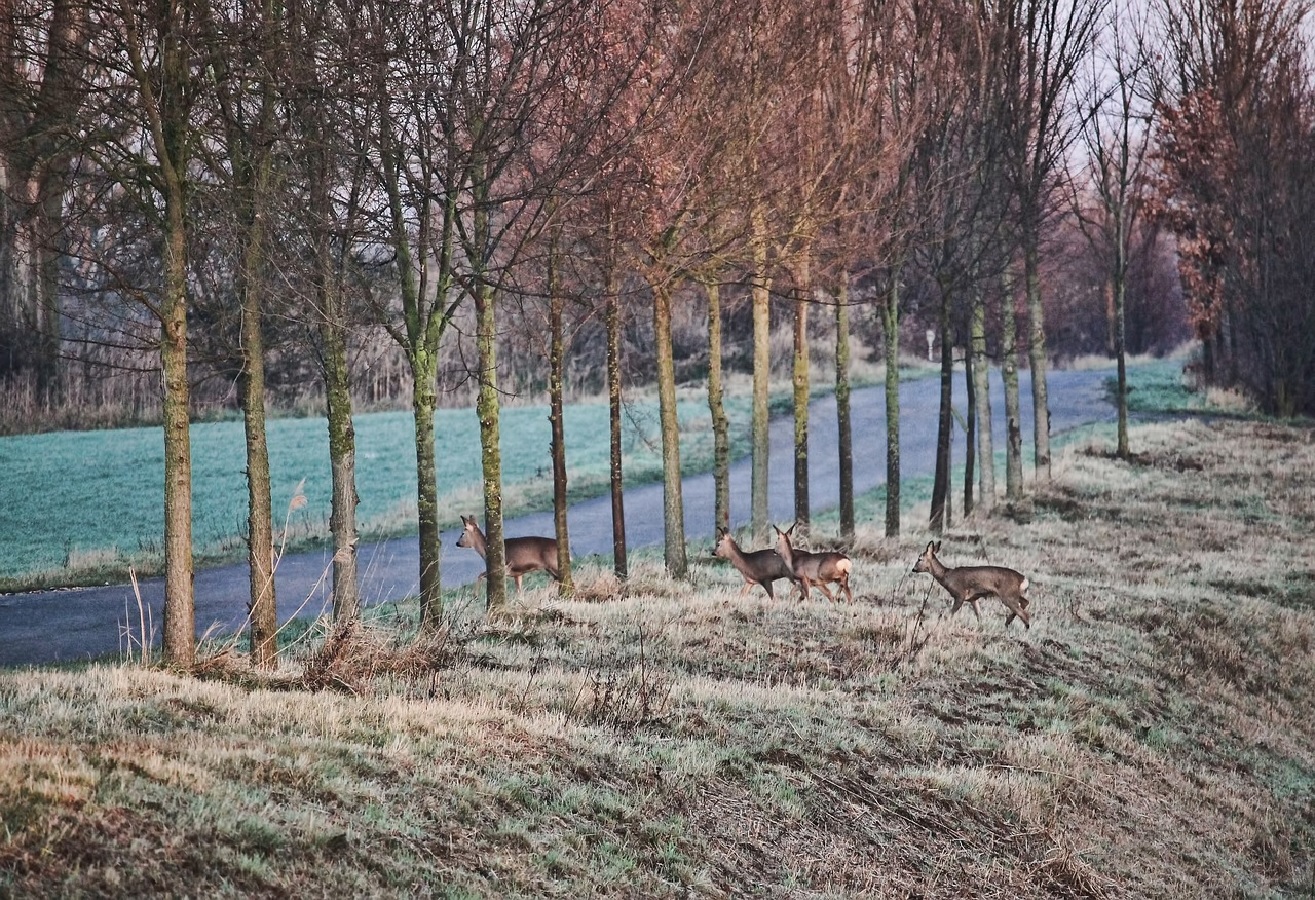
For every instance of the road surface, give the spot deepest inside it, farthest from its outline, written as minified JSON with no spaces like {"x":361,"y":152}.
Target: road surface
{"x":83,"y":623}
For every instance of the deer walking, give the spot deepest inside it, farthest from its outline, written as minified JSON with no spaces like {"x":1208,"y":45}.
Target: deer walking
{"x":818,"y":569}
{"x":758,"y":566}
{"x":522,"y":554}
{"x":968,"y":584}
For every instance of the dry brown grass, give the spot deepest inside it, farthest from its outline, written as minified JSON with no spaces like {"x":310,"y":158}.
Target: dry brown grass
{"x":1149,"y":736}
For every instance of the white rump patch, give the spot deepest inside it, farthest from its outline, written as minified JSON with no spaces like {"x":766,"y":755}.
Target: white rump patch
{"x":1023,"y":586}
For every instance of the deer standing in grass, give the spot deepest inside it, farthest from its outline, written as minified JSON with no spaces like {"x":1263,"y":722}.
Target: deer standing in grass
{"x":758,"y":566}
{"x":818,"y":569}
{"x":522,"y":554}
{"x":968,"y":584}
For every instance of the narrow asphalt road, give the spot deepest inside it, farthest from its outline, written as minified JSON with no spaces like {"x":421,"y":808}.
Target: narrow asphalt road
{"x":80,"y":623}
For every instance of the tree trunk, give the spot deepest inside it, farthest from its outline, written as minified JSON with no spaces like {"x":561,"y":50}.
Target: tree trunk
{"x":803,"y":291}
{"x":1036,"y":353}
{"x":673,"y":506}
{"x":179,"y":643}
{"x":982,"y":395}
{"x":54,"y":188}
{"x":844,"y":425}
{"x":556,"y":377}
{"x":762,"y":372}
{"x":1009,"y":374}
{"x":970,"y":435}
{"x":342,"y":465}
{"x":1121,"y":346}
{"x":489,"y":443}
{"x":262,"y":605}
{"x":253,"y":174}
{"x":170,"y":127}
{"x":890,"y":322}
{"x":721,"y":447}
{"x":424,"y":400}
{"x":616,"y":477}
{"x":940,"y":492}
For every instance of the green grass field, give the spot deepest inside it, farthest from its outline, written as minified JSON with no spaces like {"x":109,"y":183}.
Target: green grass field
{"x":82,"y":505}
{"x":1149,"y":736}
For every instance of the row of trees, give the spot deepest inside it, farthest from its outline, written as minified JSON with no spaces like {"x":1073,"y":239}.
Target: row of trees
{"x":212,"y":189}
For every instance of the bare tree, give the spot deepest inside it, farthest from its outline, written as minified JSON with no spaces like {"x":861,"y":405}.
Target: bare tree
{"x":42,"y":95}
{"x":246,"y":109}
{"x":1042,"y":47}
{"x":158,"y":53}
{"x":1117,"y":138}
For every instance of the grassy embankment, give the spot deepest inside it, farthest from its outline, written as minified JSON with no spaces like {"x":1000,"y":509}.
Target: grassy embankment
{"x":1150,"y":736}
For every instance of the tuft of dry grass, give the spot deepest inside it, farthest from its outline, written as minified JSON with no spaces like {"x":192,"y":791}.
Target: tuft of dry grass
{"x":1148,"y":736}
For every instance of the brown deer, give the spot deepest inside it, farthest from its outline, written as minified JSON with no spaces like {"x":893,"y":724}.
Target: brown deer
{"x":522,"y":554}
{"x":818,"y":569}
{"x":968,"y":584}
{"x":758,"y":567}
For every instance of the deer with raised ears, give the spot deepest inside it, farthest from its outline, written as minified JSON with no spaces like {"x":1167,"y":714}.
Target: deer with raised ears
{"x":818,"y":569}
{"x":968,"y":584}
{"x":758,"y":566}
{"x":522,"y":554}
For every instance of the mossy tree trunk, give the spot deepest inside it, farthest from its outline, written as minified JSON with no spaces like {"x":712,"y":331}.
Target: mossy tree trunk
{"x":262,"y":604}
{"x":250,"y":146}
{"x":490,"y":454}
{"x":673,"y":505}
{"x":425,"y":315}
{"x":331,"y":173}
{"x":342,"y":470}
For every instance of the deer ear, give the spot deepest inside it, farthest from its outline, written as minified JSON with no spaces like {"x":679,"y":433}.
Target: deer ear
{"x":938,"y":547}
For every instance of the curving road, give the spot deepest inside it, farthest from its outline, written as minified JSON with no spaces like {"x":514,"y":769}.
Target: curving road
{"x":83,"y":623}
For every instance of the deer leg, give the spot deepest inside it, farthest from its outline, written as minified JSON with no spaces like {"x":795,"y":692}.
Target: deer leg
{"x":844,"y":586}
{"x":821,"y":586}
{"x":1016,"y":609}
{"x":767,"y":586}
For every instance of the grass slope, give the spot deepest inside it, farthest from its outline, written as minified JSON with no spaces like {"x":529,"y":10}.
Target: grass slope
{"x":1150,"y":736}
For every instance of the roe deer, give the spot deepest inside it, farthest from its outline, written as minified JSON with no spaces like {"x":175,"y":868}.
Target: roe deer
{"x":522,"y":554}
{"x":758,"y":567}
{"x":815,"y":568}
{"x":968,"y":584}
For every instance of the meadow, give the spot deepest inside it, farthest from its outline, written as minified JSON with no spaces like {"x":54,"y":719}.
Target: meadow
{"x":83,"y":504}
{"x":1149,"y":736}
